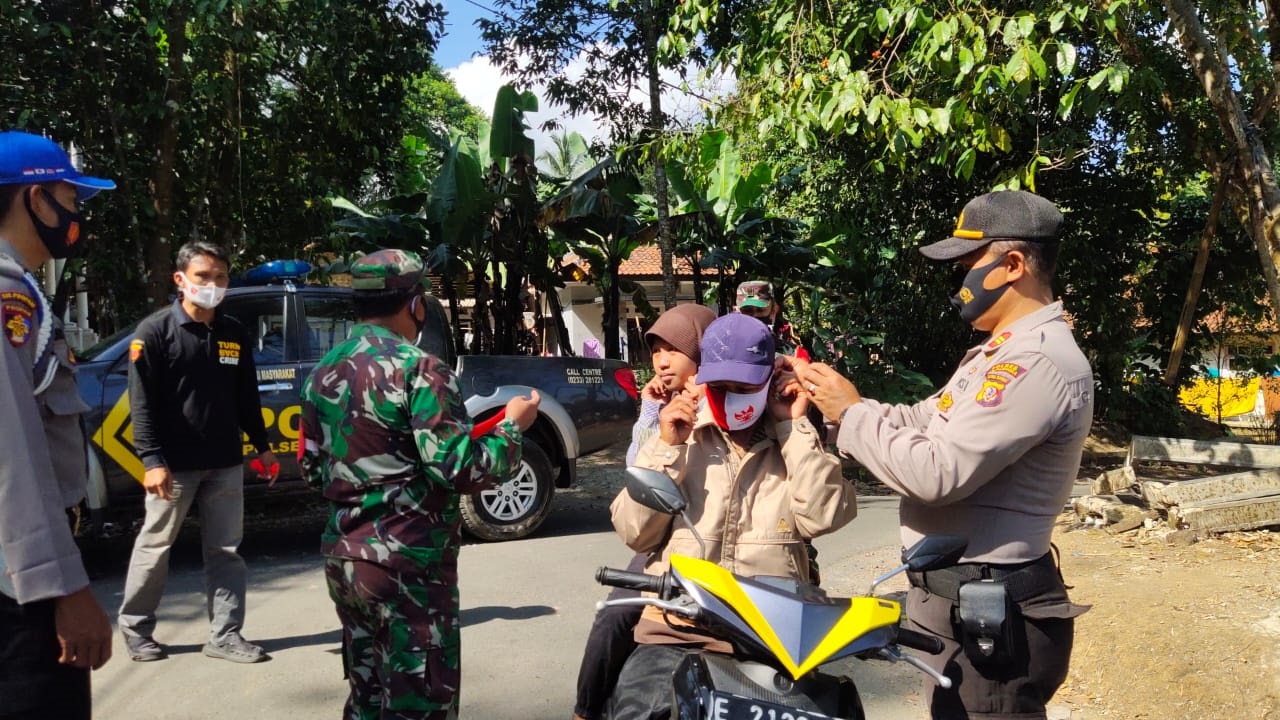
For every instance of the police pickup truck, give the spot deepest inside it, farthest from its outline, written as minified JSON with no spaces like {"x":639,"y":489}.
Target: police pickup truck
{"x":587,"y":404}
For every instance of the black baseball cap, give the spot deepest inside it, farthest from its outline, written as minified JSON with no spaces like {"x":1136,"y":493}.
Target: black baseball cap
{"x":1000,"y":215}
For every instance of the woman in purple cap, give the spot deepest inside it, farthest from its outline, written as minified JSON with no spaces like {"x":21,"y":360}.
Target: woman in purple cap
{"x":758,"y":483}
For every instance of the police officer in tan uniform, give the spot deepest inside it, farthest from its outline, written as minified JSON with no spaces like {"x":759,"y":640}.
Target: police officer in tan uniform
{"x":990,"y":457}
{"x":52,"y":630}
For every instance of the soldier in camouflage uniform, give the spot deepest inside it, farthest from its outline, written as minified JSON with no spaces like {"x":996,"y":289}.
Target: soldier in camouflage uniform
{"x":387,"y":438}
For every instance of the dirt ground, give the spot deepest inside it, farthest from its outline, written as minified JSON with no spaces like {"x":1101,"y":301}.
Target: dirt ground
{"x":1176,"y":631}
{"x":1179,"y":628}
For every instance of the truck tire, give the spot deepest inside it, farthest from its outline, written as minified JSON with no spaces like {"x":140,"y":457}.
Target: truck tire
{"x":517,"y":507}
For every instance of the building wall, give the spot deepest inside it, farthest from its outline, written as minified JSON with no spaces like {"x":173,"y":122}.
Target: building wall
{"x":584,"y":314}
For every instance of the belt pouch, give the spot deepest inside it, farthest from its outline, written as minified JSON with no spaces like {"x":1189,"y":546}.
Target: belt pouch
{"x":986,"y":619}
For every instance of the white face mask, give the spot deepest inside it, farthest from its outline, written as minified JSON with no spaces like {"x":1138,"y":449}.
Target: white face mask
{"x":205,"y":296}
{"x":742,"y":410}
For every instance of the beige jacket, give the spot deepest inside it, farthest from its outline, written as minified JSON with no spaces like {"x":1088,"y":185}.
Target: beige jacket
{"x":753,"y":511}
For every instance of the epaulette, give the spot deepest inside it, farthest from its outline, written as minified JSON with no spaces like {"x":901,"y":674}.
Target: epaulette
{"x":46,"y":365}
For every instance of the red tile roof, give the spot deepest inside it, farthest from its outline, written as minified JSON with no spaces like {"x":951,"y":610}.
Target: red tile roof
{"x":645,"y":263}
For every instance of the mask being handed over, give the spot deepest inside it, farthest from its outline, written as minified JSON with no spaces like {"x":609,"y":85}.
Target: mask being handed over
{"x":205,"y":296}
{"x":737,"y":411}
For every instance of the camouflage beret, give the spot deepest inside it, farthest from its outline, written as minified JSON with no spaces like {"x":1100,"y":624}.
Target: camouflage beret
{"x":388,"y":270}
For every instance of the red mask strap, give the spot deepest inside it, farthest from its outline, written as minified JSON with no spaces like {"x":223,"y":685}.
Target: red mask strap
{"x":715,"y":402}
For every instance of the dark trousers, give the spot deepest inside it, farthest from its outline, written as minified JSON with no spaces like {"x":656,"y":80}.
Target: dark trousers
{"x":609,"y":644}
{"x":1016,"y":688}
{"x":644,"y":685}
{"x":33,"y":684}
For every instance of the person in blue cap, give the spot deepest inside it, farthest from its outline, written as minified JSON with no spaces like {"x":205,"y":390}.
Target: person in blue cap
{"x":52,"y":630}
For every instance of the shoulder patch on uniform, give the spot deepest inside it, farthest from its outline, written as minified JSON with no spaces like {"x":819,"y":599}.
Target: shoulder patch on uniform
{"x":135,"y":349}
{"x":17,"y":314}
{"x":945,"y":402}
{"x":783,"y":525}
{"x":998,"y":378}
{"x":999,"y":340}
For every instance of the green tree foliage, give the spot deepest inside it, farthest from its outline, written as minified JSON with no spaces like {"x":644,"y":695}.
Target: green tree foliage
{"x":736,"y":235}
{"x":219,"y":119}
{"x":569,"y":158}
{"x":434,"y":109}
{"x":903,"y":111}
{"x":591,"y":55}
{"x":597,"y":217}
{"x":477,"y":220}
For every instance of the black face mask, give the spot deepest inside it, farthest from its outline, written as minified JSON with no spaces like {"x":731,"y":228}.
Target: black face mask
{"x":973,"y":299}
{"x":62,"y":240}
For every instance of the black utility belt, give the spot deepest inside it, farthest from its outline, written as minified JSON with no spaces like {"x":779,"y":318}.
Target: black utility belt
{"x":1021,"y":581}
{"x":985,"y":598}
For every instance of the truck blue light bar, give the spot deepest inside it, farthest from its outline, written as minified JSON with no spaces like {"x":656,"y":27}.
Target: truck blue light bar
{"x":277,"y":271}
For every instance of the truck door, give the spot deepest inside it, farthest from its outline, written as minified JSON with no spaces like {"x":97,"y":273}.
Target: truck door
{"x":270,"y":319}
{"x":327,"y":319}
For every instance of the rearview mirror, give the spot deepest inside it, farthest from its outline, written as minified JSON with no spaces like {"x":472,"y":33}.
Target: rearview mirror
{"x":655,"y":490}
{"x":934,"y":552}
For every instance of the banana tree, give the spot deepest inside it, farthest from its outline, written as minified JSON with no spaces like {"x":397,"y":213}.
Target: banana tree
{"x":478,"y":217}
{"x":740,"y":239}
{"x":596,"y":216}
{"x":518,"y":247}
{"x":457,"y":214}
{"x":486,"y":200}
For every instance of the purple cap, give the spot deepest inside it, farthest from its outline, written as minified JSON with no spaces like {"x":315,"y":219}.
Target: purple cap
{"x":27,"y":158}
{"x":736,"y":348}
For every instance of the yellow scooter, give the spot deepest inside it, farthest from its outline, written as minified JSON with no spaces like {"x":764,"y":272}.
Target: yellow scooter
{"x":781,"y":630}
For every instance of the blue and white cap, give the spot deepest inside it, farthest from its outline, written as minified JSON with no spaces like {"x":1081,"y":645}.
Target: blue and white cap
{"x":30,"y":159}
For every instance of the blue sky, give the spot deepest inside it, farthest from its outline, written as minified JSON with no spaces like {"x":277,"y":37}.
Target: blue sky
{"x":458,"y":54}
{"x":478,"y":81}
{"x":462,"y":37}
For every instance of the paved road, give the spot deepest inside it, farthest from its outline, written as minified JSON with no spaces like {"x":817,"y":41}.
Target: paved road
{"x":527,"y":607}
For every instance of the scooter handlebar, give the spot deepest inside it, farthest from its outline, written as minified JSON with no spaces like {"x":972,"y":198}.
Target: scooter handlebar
{"x":632,"y":581}
{"x":919,"y":641}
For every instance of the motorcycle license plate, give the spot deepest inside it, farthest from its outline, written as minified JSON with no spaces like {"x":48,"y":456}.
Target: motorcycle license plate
{"x":732,"y":707}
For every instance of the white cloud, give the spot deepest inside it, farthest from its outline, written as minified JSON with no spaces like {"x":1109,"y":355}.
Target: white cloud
{"x":478,"y":81}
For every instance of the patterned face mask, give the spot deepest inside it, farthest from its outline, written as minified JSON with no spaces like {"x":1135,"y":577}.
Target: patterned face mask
{"x":737,"y":411}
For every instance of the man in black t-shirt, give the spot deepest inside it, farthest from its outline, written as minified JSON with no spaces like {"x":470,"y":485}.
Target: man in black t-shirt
{"x":192,"y":389}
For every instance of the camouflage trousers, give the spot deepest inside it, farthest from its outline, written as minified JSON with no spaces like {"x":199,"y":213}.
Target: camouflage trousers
{"x":400,"y":642}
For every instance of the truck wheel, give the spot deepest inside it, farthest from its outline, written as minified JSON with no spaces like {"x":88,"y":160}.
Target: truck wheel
{"x":517,"y":507}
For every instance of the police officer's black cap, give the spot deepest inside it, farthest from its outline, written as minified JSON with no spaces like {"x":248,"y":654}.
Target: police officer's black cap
{"x":1000,"y":215}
